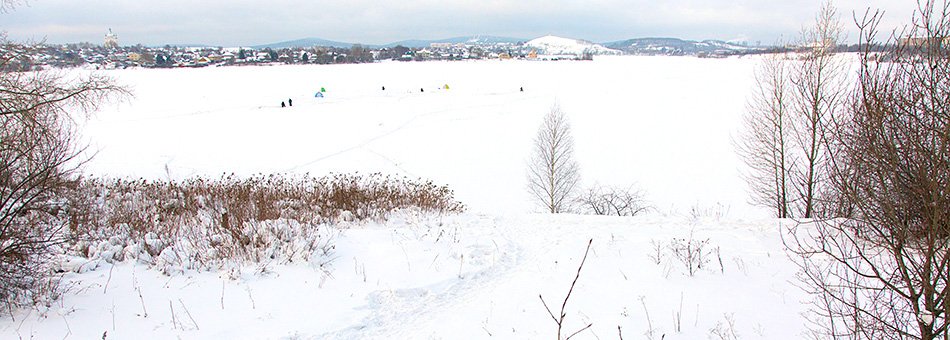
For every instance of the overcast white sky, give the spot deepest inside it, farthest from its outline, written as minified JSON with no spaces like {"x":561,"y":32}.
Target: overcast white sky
{"x":255,"y":22}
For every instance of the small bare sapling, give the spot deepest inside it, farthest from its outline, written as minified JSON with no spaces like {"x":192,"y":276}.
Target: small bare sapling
{"x":560,"y":320}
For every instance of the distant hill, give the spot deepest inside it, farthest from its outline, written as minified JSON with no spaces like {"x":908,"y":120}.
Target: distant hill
{"x":472,"y":40}
{"x":306,"y":42}
{"x":674,"y":46}
{"x":553,"y":45}
{"x":560,"y":46}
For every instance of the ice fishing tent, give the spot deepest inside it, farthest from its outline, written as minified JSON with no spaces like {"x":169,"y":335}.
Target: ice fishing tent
{"x":318,"y":95}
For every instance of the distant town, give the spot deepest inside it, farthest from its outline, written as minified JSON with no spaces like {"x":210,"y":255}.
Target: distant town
{"x":111,"y":55}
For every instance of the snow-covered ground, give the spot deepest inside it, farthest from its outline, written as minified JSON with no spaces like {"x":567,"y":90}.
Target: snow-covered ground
{"x":456,"y":277}
{"x":663,"y":123}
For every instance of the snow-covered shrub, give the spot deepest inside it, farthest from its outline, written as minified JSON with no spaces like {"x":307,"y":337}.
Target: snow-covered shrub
{"x":207,"y":224}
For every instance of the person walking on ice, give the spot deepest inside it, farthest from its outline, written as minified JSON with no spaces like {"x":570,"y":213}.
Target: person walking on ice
{"x":290,"y":102}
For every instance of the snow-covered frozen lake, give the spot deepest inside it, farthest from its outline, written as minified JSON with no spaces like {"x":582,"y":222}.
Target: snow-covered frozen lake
{"x":662,"y":123}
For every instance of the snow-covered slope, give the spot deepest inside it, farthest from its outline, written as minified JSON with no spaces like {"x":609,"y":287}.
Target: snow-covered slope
{"x":455,"y":277}
{"x":552,"y":45}
{"x":673,"y":46}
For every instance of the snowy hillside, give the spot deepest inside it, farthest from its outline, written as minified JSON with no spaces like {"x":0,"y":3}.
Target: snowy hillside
{"x":551,"y":45}
{"x":454,"y":277}
{"x":673,"y":46}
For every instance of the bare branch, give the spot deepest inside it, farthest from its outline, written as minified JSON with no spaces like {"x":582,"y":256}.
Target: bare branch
{"x":560,"y":320}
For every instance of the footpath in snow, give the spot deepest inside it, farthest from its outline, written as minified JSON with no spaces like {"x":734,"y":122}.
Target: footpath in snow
{"x":456,"y":277}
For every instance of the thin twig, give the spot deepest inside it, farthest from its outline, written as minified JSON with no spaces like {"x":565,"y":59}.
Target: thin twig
{"x":548,"y":309}
{"x":144,"y":311}
{"x":188,"y":313}
{"x":135,"y":283}
{"x":560,"y":320}
{"x":569,"y":291}
{"x":104,"y":288}
{"x":172,"y":308}
{"x":253,"y":305}
{"x":10,"y":307}
{"x":68,"y":331}
{"x":578,"y":331}
{"x":647,"y":312}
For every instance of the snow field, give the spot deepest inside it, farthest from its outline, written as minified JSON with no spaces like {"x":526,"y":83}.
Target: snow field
{"x":663,"y":123}
{"x":453,"y":277}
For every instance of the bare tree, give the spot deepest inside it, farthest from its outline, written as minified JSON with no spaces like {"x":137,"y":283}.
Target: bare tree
{"x":553,"y":174}
{"x":819,"y":87}
{"x":601,"y":200}
{"x":882,"y":273}
{"x":38,"y":156}
{"x":784,"y":138}
{"x":764,"y":141}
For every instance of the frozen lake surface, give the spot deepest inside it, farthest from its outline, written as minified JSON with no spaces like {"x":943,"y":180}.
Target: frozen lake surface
{"x":662,"y":123}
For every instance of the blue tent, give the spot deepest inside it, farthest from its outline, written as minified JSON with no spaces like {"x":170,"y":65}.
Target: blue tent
{"x":318,"y":95}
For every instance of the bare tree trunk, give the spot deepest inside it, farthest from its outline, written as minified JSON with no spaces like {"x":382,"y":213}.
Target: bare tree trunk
{"x":763,"y":142}
{"x":819,"y":88}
